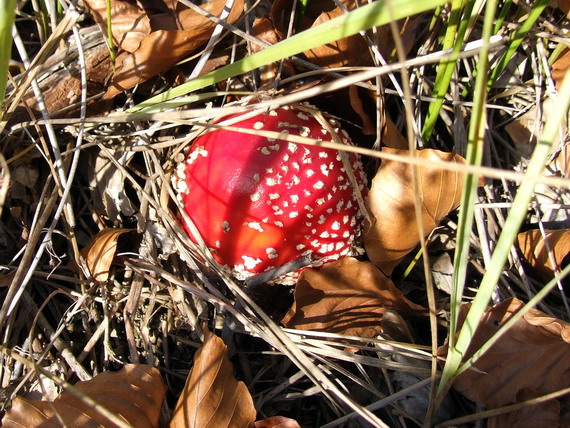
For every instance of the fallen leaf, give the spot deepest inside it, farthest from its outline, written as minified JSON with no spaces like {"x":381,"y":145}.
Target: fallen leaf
{"x":351,"y":50}
{"x":532,"y":355}
{"x":533,"y":248}
{"x":135,"y":394}
{"x":391,"y":203}
{"x":277,"y":422}
{"x":545,"y":414}
{"x":348,"y":297}
{"x":560,"y":66}
{"x":100,"y":252}
{"x":129,"y":23}
{"x":162,"y":49}
{"x":212,"y":397}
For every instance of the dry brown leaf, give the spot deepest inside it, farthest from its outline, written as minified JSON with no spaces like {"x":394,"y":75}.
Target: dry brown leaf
{"x":545,"y":414}
{"x":135,"y":394}
{"x":277,"y":422}
{"x":561,"y":65}
{"x":212,"y":397}
{"x":351,"y":50}
{"x":533,"y":355}
{"x":100,"y":252}
{"x":533,"y":248}
{"x":348,"y":297}
{"x":129,"y":22}
{"x":162,"y":49}
{"x":391,"y":203}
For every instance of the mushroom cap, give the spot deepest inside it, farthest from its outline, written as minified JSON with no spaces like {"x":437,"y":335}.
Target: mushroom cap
{"x":260,"y":203}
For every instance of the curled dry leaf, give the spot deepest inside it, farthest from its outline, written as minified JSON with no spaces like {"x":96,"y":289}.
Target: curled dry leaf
{"x":212,"y":396}
{"x":532,"y":355}
{"x":135,"y":394}
{"x":277,"y":422}
{"x":99,"y":254}
{"x":129,"y":22}
{"x":348,"y":297}
{"x":391,"y":203}
{"x":162,"y":49}
{"x":535,"y":251}
{"x":561,"y":64}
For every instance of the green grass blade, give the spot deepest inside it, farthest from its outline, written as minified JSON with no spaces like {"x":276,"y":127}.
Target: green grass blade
{"x":474,"y":157}
{"x":511,"y":228}
{"x":363,"y":18}
{"x":516,"y":40}
{"x":453,"y":39}
{"x":7,"y":16}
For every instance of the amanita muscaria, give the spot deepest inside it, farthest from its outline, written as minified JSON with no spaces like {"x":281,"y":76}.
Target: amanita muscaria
{"x":260,"y":203}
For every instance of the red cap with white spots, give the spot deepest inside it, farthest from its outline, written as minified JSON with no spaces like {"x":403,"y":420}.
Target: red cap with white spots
{"x":260,"y":203}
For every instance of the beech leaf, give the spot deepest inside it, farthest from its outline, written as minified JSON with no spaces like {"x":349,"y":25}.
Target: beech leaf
{"x":100,"y":252}
{"x":348,"y":297}
{"x":535,"y":251}
{"x":135,"y":394}
{"x":162,"y":49}
{"x":212,"y":396}
{"x":391,"y":203}
{"x":532,"y":355}
{"x":277,"y":422}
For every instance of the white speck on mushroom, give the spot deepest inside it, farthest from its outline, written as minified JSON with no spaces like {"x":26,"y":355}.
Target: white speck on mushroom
{"x":272,"y":113}
{"x":310,"y":173}
{"x":277,"y":210}
{"x":274,"y":196}
{"x":329,"y":196}
{"x":250,"y":262}
{"x":302,"y":116}
{"x":308,"y":208}
{"x":255,"y":197}
{"x":285,"y":204}
{"x":306,"y":253}
{"x":320,"y":201}
{"x":198,"y":151}
{"x":296,"y":180}
{"x":306,"y":236}
{"x":265,"y":151}
{"x":304,"y":131}
{"x":308,"y":224}
{"x":329,"y":211}
{"x":309,"y":215}
{"x":346,"y":234}
{"x":285,"y":168}
{"x":353,"y":221}
{"x":278,"y":223}
{"x":217,"y":244}
{"x":292,"y":147}
{"x":327,"y":248}
{"x":269,"y":170}
{"x":294,"y":198}
{"x":315,"y":243}
{"x":319,"y":185}
{"x":226,"y":226}
{"x":254,"y":225}
{"x":322,"y":219}
{"x":324,"y":170}
{"x":340,"y":178}
{"x":258,"y":125}
{"x":293,"y":214}
{"x":335,"y":226}
{"x":271,"y":253}
{"x":271,"y":181}
{"x":339,"y":246}
{"x":299,"y":247}
{"x":345,"y":219}
{"x":296,"y":165}
{"x":306,"y":192}
{"x":325,"y":235}
{"x":256,"y":178}
{"x":323,"y":155}
{"x":349,"y":205}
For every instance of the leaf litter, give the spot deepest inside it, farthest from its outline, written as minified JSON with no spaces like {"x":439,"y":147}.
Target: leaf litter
{"x":108,"y":313}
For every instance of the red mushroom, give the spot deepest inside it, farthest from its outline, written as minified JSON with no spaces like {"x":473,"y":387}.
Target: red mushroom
{"x":260,"y":203}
